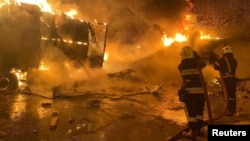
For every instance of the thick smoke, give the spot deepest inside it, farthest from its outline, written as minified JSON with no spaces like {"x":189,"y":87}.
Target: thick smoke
{"x":135,"y":30}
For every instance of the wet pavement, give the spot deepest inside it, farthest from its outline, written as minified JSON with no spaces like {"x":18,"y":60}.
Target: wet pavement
{"x":103,"y":116}
{"x":88,"y":117}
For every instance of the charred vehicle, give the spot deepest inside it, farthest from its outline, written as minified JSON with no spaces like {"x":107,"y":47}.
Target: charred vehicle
{"x":26,"y":31}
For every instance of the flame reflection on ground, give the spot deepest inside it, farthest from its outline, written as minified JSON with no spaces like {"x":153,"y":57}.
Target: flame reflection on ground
{"x":18,"y":108}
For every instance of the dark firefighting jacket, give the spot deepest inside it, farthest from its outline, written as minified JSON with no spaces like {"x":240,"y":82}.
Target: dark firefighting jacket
{"x":190,"y":70}
{"x":226,"y":65}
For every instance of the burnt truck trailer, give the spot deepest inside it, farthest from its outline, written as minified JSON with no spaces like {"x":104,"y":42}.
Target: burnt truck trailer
{"x":25,"y":31}
{"x":20,"y":39}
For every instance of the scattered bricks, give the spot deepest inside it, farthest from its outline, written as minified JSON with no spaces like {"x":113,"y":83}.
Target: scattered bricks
{"x":53,"y":123}
{"x":46,"y":105}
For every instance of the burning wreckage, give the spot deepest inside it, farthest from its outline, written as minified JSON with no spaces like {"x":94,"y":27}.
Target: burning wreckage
{"x":26,"y":32}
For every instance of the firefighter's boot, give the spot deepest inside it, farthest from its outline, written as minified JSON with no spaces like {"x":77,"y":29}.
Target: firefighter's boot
{"x":199,"y":129}
{"x":191,"y":134}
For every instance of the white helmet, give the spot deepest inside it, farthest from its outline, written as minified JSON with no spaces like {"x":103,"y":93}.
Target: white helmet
{"x":187,"y":52}
{"x":227,"y":49}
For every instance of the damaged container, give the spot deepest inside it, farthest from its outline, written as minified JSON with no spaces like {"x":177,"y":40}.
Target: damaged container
{"x":20,"y":41}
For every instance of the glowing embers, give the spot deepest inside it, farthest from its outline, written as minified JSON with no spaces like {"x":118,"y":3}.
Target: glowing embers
{"x":21,"y":77}
{"x":43,"y":66}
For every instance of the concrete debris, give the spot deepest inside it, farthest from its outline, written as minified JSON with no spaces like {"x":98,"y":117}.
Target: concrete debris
{"x":79,"y":129}
{"x":156,"y":88}
{"x":46,"y":105}
{"x":53,"y":123}
{"x":44,"y":91}
{"x":83,"y":128}
{"x":127,"y":74}
{"x":121,"y":73}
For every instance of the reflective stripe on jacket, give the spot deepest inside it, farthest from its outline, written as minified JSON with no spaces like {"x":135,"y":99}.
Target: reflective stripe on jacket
{"x":190,"y":70}
{"x":195,"y":90}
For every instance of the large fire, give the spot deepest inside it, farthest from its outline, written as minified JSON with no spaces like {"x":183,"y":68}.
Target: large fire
{"x":45,"y":65}
{"x":167,"y":41}
{"x":46,"y":7}
{"x":179,"y":37}
{"x":42,"y":4}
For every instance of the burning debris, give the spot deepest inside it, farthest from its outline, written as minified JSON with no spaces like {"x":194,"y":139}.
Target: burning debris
{"x":30,"y":30}
{"x":127,"y":74}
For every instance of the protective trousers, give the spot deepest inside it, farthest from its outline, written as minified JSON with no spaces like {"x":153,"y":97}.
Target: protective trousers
{"x":230,"y":85}
{"x":195,"y":112}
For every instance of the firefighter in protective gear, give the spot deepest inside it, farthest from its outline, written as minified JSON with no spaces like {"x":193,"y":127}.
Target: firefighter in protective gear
{"x":227,"y":65}
{"x":191,"y":72}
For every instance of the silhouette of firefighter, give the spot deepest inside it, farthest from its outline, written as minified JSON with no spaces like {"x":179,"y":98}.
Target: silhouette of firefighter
{"x":192,"y":92}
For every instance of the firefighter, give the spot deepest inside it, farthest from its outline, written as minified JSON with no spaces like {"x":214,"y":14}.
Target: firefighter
{"x":193,"y":88}
{"x":227,"y":65}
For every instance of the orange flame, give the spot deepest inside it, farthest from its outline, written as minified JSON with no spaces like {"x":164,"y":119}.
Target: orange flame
{"x":180,"y":38}
{"x":167,"y":41}
{"x":42,"y":4}
{"x":43,"y":66}
{"x":21,"y":76}
{"x":106,"y":56}
{"x":71,"y":13}
{"x":207,"y":36}
{"x":204,"y":36}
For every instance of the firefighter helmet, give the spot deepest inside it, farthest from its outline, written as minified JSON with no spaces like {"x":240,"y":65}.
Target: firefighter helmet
{"x":227,"y":49}
{"x":187,"y":52}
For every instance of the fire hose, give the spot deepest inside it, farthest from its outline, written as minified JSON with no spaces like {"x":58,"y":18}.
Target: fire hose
{"x":211,"y":119}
